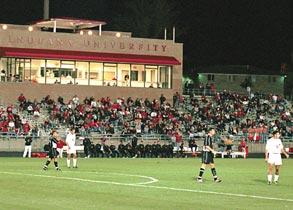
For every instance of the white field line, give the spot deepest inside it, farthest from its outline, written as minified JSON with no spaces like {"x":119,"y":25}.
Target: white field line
{"x":155,"y":187}
{"x":152,"y":179}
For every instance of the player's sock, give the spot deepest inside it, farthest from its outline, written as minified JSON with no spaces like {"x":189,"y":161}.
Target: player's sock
{"x":47,"y":163}
{"x":214,"y":172}
{"x":74,"y":162}
{"x":201,"y":171}
{"x":276,"y":178}
{"x":270,"y":177}
{"x":68,"y":163}
{"x":56,"y":164}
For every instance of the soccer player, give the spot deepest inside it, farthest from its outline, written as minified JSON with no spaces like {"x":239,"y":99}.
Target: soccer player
{"x":53,"y":151}
{"x":208,"y":156}
{"x":274,"y":148}
{"x":71,"y":150}
{"x":28,"y":146}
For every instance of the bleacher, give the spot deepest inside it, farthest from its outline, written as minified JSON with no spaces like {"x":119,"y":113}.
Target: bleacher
{"x":191,"y":116}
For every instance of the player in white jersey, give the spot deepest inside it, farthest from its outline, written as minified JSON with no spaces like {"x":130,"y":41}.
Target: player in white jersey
{"x":71,"y":150}
{"x":274,"y":148}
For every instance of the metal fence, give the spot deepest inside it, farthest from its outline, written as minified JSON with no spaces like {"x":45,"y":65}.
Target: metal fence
{"x":127,"y":137}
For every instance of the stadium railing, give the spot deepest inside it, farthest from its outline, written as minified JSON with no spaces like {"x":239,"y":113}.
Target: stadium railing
{"x":128,"y":137}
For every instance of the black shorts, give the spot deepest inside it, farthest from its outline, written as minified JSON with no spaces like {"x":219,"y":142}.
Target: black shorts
{"x":53,"y":153}
{"x":207,"y":157}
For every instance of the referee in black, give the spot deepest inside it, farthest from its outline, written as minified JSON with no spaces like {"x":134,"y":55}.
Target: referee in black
{"x":53,"y":151}
{"x":208,"y":156}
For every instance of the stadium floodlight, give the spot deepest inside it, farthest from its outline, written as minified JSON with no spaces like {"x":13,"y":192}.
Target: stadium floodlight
{"x":118,"y":34}
{"x":30,"y":28}
{"x":4,"y":27}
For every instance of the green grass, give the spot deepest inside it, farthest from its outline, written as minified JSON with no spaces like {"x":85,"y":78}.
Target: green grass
{"x":107,"y":184}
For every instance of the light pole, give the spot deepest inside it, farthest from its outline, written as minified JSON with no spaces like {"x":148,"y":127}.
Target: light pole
{"x":46,"y":10}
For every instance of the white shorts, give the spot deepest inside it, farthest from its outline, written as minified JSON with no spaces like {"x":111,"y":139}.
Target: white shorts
{"x":71,"y":151}
{"x":275,"y":159}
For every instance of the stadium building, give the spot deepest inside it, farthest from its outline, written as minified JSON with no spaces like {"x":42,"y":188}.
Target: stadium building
{"x":236,"y":78}
{"x":66,"y":56}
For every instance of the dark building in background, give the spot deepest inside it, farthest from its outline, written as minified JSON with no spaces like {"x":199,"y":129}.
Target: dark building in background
{"x":238,"y":77}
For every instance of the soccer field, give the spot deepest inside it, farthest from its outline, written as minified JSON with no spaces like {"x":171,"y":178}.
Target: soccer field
{"x":142,"y":184}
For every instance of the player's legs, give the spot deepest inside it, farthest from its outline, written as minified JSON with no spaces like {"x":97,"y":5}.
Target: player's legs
{"x":205,"y":161}
{"x":25,"y":151}
{"x":29,"y":151}
{"x":203,"y":165}
{"x":68,"y":159}
{"x":56,"y":163}
{"x":58,"y":150}
{"x":214,"y":172}
{"x":51,"y":156}
{"x":47,"y":163}
{"x":61,"y":153}
{"x":74,"y":160}
{"x":201,"y":172}
{"x":277,"y":169}
{"x":270,"y":173}
{"x":277,"y":172}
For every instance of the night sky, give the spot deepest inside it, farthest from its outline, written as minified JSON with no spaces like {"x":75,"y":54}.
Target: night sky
{"x":254,"y":32}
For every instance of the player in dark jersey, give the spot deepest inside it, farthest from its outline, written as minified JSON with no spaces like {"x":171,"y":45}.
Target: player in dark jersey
{"x":208,"y":156}
{"x":53,"y":151}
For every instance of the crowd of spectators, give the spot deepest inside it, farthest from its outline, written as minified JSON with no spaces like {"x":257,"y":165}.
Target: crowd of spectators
{"x":232,"y":114}
{"x":13,"y":123}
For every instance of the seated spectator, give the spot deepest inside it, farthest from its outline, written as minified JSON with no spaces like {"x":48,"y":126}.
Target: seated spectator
{"x":21,"y":98}
{"x":26,"y":128}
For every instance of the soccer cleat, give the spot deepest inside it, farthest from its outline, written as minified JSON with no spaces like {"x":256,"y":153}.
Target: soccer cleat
{"x":58,"y":169}
{"x":217,"y":180}
{"x":199,"y":180}
{"x":45,"y":168}
{"x":269,"y":183}
{"x":75,"y":167}
{"x":276,"y":182}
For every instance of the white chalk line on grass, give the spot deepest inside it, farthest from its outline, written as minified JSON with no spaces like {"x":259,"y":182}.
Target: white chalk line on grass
{"x":152,"y":179}
{"x":155,"y":187}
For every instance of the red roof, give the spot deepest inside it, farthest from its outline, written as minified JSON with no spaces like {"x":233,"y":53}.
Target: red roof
{"x":87,"y":56}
